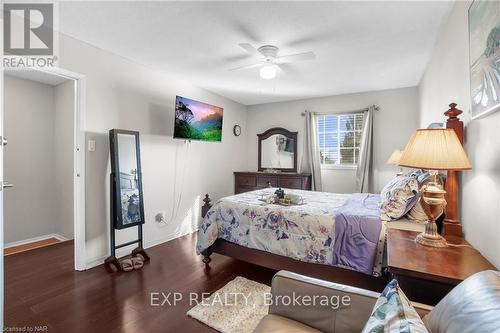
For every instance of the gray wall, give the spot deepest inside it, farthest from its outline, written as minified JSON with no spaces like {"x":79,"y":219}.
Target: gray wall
{"x":393,"y":125}
{"x":34,"y":206}
{"x":447,"y":80}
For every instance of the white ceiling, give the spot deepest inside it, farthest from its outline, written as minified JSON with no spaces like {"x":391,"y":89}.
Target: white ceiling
{"x":360,"y":46}
{"x":38,"y":76}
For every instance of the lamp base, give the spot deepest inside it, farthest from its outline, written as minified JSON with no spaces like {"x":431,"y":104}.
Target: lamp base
{"x":430,"y":236}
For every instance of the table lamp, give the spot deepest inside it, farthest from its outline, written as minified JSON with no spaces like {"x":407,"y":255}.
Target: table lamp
{"x":434,"y":149}
{"x":394,"y":160}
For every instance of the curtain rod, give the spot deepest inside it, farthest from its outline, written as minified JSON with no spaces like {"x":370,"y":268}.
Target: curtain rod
{"x":342,"y":112}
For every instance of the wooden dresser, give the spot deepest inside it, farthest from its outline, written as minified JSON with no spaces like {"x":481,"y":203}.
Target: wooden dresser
{"x":249,"y":181}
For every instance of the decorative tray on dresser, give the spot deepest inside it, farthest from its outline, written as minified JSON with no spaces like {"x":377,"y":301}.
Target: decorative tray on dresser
{"x":250,"y":181}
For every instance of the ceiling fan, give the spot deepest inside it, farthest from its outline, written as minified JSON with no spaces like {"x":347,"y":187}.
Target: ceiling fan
{"x":269,"y":60}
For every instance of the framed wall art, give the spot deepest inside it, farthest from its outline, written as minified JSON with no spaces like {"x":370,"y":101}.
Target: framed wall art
{"x":484,"y":57}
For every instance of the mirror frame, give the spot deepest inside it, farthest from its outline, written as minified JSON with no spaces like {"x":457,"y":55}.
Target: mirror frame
{"x":282,"y":131}
{"x":116,"y":206}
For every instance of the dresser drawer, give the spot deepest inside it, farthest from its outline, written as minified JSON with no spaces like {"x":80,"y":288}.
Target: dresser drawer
{"x":266,"y":181}
{"x":251,"y":181}
{"x":246,"y":180}
{"x":295,"y":183}
{"x":243,"y":189}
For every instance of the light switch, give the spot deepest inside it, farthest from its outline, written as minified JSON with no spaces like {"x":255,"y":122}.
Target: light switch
{"x":91,"y":145}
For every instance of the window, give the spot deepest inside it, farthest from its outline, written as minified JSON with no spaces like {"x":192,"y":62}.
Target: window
{"x":339,"y":137}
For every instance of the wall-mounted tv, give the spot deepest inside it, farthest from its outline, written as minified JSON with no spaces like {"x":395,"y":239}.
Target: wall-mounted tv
{"x":197,"y":121}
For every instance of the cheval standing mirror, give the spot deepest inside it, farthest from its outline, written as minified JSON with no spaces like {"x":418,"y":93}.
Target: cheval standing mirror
{"x":127,"y":205}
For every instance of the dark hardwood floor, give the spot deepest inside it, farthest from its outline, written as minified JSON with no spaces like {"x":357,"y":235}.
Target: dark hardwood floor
{"x":42,"y":289}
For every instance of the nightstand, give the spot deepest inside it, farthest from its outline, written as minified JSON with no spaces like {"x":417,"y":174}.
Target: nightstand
{"x":427,"y":274}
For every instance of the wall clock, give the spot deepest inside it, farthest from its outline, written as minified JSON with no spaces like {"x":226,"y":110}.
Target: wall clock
{"x":237,"y":130}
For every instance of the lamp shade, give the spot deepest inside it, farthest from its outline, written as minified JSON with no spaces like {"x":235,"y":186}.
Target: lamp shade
{"x":435,"y":149}
{"x":395,"y":157}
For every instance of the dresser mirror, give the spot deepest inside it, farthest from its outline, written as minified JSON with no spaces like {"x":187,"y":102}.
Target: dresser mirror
{"x":277,"y":150}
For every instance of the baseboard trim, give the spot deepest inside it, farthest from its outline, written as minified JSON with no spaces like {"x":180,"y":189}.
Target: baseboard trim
{"x":35,"y":239}
{"x":91,"y":263}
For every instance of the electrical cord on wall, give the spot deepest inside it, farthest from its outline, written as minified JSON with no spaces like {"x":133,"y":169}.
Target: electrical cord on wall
{"x":176,"y":204}
{"x":186,"y":163}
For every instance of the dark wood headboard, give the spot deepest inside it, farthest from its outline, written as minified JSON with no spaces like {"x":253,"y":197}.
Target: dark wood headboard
{"x":452,"y":225}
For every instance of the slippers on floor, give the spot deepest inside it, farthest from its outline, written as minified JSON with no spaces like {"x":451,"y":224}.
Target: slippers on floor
{"x":127,"y":265}
{"x":131,"y":264}
{"x":139,"y":256}
{"x":137,"y":263}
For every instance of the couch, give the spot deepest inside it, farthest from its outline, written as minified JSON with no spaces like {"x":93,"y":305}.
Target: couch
{"x":472,"y":306}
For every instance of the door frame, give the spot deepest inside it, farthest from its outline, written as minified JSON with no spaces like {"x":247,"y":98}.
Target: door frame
{"x":79,"y":113}
{"x":2,"y":273}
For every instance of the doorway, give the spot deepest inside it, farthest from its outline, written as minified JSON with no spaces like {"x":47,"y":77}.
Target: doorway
{"x":43,"y":162}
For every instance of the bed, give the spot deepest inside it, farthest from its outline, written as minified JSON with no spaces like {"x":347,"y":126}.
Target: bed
{"x":339,"y":237}
{"x":320,"y":238}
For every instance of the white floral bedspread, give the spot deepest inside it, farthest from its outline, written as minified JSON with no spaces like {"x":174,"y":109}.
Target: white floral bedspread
{"x":302,"y":232}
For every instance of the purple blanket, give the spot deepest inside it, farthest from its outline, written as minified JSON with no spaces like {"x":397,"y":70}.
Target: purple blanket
{"x":357,"y":232}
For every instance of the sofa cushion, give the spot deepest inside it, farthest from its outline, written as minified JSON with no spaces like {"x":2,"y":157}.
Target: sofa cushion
{"x":472,"y":306}
{"x":342,"y":318}
{"x":279,"y":324}
{"x":393,"y":313}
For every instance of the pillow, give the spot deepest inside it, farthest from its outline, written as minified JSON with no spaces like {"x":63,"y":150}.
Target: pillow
{"x":417,"y":173}
{"x":398,"y":197}
{"x":393,"y":313}
{"x":424,"y":176}
{"x":417,"y":214}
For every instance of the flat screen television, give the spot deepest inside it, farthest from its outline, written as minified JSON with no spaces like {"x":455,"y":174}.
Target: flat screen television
{"x":196,"y":120}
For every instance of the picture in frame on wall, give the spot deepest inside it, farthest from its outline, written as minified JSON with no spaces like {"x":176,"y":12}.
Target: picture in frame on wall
{"x":484,"y":57}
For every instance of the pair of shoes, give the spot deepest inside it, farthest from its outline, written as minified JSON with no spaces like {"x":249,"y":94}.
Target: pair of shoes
{"x":130,"y":264}
{"x":137,"y":262}
{"x":140,"y":256}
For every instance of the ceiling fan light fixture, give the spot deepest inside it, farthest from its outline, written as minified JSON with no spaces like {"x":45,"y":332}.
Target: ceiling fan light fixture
{"x":268,"y":72}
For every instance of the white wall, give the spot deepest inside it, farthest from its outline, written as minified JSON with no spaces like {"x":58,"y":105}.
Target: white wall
{"x":123,"y":94}
{"x":447,"y":80}
{"x":393,"y":125}
{"x":38,"y":160}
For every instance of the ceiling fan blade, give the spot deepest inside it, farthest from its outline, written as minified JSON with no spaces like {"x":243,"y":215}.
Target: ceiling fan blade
{"x":257,"y":64}
{"x":284,"y":68}
{"x":250,"y":49}
{"x":295,"y":57}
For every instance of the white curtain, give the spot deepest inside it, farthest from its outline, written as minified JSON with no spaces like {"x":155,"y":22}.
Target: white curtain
{"x":311,"y":155}
{"x":364,"y":172}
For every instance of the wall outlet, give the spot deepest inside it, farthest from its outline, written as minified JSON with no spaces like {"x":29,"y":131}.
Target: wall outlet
{"x":91,"y":145}
{"x":160,"y":217}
